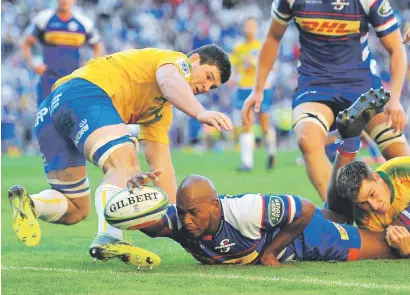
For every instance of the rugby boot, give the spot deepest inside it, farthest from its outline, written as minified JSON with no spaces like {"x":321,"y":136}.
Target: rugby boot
{"x":351,"y":121}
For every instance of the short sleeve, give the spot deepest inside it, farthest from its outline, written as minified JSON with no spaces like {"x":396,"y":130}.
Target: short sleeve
{"x":179,"y":60}
{"x":405,"y":217}
{"x":381,"y":17}
{"x":282,"y":11}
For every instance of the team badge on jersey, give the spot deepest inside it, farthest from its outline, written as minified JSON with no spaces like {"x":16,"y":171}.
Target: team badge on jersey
{"x":184,"y":67}
{"x":224,"y":246}
{"x":385,"y":9}
{"x":72,"y":26}
{"x":339,"y":4}
{"x":276,"y":210}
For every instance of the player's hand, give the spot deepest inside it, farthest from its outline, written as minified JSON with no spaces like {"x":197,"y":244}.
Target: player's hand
{"x":394,"y":111}
{"x":254,"y":99}
{"x":39,"y":70}
{"x":406,"y":37}
{"x":398,"y":237}
{"x":142,"y":178}
{"x":216,"y":119}
{"x":269,"y":259}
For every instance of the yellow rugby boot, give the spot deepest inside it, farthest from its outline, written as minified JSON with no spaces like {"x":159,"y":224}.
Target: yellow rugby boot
{"x":106,"y":247}
{"x":25,"y":222}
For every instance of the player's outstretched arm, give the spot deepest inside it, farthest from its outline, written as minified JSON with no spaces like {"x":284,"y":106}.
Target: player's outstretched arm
{"x":335,"y":202}
{"x":287,"y":234}
{"x":178,"y":92}
{"x":267,"y":57}
{"x":398,"y":68}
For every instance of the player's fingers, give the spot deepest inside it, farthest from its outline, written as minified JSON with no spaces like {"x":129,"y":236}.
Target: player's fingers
{"x":221,"y":122}
{"x":403,"y":231}
{"x":227,"y":121}
{"x":214,"y":123}
{"x":257,"y":106}
{"x":388,"y":240}
{"x":394,"y":122}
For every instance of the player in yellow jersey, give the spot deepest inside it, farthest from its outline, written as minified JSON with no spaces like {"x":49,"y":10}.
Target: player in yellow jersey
{"x":244,"y":59}
{"x":379,"y":197}
{"x":85,"y":117}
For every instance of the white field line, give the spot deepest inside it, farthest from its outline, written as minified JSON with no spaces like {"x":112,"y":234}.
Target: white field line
{"x":304,"y":280}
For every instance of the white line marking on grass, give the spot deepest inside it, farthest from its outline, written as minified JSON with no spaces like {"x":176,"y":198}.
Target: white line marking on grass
{"x":305,"y":280}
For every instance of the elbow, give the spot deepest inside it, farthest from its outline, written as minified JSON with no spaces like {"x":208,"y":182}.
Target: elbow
{"x":308,"y":210}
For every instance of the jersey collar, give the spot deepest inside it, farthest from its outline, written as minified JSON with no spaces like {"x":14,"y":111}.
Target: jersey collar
{"x":387,"y":179}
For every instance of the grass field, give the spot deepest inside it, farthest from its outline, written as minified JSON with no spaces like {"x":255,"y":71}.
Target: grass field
{"x":60,"y":264}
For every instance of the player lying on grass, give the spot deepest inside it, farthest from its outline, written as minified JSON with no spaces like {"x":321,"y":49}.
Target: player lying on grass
{"x":85,"y":117}
{"x":373,"y":199}
{"x":260,"y":229}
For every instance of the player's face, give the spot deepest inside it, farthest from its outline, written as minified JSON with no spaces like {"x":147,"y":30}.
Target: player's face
{"x":374,"y":196}
{"x":249,"y":28}
{"x":195,"y":215}
{"x":65,"y":5}
{"x":204,"y":77}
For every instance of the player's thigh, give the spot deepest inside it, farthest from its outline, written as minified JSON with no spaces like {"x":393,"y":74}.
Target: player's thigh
{"x":311,"y":123}
{"x":120,"y":153}
{"x":391,"y":144}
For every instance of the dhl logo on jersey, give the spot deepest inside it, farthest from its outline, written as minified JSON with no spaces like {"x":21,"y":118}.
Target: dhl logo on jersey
{"x":65,"y":38}
{"x":329,"y":27}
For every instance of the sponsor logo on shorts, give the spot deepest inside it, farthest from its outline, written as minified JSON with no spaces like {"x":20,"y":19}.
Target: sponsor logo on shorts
{"x":83,"y":128}
{"x":342,"y":231}
{"x":40,"y":116}
{"x":184,"y":67}
{"x":328,"y":27}
{"x":385,"y":9}
{"x":55,"y":102}
{"x":134,"y":200}
{"x":225,"y":246}
{"x":339,"y":4}
{"x":276,"y":210}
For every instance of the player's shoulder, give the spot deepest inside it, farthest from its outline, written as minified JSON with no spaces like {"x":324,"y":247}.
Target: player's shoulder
{"x":43,"y":17}
{"x":398,"y":162}
{"x":84,"y":20}
{"x":244,"y":212}
{"x":383,"y":6}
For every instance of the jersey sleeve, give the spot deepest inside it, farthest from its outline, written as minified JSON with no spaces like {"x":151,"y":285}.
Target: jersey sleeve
{"x":171,"y":223}
{"x":381,"y":16}
{"x":38,"y":24}
{"x":281,"y":11}
{"x":279,"y":211}
{"x":93,"y":37}
{"x":158,"y":131}
{"x":405,"y":218}
{"x":177,"y":59}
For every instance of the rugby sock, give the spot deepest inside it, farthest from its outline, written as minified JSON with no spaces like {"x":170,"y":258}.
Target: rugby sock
{"x":50,"y":205}
{"x":102,"y":194}
{"x":348,"y":146}
{"x":247,"y":143}
{"x":270,"y":142}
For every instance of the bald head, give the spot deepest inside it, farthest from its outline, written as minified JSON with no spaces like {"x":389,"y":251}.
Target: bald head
{"x":198,"y":206}
{"x":196,"y":187}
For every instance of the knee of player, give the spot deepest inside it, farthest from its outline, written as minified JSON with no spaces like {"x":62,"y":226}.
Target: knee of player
{"x":310,"y":142}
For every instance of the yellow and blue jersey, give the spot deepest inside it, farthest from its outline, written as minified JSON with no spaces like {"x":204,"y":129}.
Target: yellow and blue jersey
{"x":62,"y":40}
{"x":334,"y":40}
{"x":244,"y":58}
{"x":396,"y":172}
{"x":129,"y":79}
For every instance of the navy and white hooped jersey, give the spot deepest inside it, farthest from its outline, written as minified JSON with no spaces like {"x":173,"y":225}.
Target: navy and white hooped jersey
{"x":334,"y":39}
{"x":62,"y":39}
{"x":248,"y":221}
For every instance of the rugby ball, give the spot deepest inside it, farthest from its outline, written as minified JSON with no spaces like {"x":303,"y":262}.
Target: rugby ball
{"x":141,"y":208}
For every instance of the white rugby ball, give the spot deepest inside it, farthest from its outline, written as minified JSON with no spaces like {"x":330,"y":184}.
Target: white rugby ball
{"x":141,"y":208}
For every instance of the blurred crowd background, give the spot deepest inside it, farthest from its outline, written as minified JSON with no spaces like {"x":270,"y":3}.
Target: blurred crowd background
{"x":180,"y":25}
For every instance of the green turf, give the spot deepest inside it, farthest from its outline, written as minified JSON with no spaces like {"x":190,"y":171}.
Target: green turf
{"x":61,"y":264}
